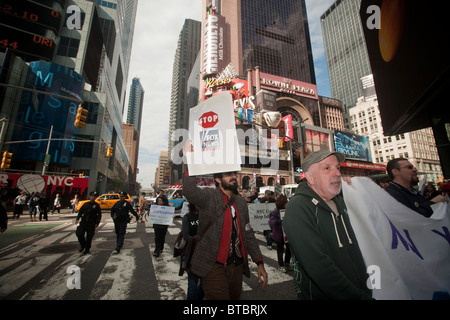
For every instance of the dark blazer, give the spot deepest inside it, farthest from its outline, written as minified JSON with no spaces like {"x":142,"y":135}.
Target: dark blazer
{"x":210,"y":202}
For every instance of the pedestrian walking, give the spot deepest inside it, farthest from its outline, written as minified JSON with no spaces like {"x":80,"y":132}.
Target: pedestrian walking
{"x":276,"y":224}
{"x":19,"y":204}
{"x":403,"y":177}
{"x":160,"y":229}
{"x":120,"y":213}
{"x":189,"y":228}
{"x":33,"y":205}
{"x":328,"y":263}
{"x":43,"y":206}
{"x":268,"y":198}
{"x":90,"y":214}
{"x":221,"y":256}
{"x":56,"y":204}
{"x":142,"y":207}
{"x":74,"y":202}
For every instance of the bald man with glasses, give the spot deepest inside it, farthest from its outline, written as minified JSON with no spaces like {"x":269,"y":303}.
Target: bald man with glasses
{"x":404,"y":177}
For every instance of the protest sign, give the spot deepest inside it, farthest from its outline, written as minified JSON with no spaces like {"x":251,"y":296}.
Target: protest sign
{"x":259,"y":215}
{"x":407,"y":255}
{"x":212,"y":131}
{"x":161,"y":215}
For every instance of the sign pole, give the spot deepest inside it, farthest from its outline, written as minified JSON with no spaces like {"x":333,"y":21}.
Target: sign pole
{"x":46,"y":152}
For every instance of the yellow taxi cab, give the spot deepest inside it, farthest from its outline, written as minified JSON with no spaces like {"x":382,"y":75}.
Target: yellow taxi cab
{"x":106,"y":201}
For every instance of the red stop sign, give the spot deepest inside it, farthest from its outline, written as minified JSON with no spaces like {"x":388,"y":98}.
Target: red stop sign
{"x":208,"y":119}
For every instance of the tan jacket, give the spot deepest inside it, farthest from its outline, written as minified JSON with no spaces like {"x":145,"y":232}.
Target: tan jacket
{"x":210,"y":202}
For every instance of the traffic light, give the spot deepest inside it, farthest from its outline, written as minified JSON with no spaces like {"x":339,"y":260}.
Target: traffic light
{"x":6,"y":161}
{"x":109,"y":152}
{"x":80,"y":120}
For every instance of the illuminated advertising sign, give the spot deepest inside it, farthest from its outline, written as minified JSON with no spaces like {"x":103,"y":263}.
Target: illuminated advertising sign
{"x":280,"y":84}
{"x":243,"y":104}
{"x":38,"y":112}
{"x":354,"y":147}
{"x":50,"y":184}
{"x":214,"y":45}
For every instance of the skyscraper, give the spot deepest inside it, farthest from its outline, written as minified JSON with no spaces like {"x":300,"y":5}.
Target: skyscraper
{"x":185,"y":56}
{"x":135,"y":104}
{"x":271,"y":34}
{"x":345,"y":50}
{"x":86,"y":51}
{"x":275,"y":37}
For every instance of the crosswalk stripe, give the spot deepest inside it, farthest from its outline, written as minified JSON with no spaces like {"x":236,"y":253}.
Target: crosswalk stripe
{"x":170,"y":285}
{"x":54,"y":287}
{"x":24,"y":272}
{"x":115,"y":279}
{"x":115,"y":271}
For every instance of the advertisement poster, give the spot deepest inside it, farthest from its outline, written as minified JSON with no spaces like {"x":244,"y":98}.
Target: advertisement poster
{"x":212,"y":131}
{"x":161,"y":215}
{"x":354,"y":147}
{"x":37,"y":113}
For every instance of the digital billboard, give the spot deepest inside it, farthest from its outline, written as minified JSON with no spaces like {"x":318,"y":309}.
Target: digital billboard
{"x":354,"y":147}
{"x":37,"y":113}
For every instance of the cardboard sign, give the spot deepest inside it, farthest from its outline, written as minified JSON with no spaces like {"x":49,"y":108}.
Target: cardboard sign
{"x":212,"y":131}
{"x":161,"y":215}
{"x":260,"y":214}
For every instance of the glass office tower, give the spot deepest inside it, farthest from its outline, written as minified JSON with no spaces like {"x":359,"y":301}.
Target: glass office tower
{"x":275,"y":37}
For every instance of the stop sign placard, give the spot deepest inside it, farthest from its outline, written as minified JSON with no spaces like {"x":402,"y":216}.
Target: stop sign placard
{"x":208,"y":119}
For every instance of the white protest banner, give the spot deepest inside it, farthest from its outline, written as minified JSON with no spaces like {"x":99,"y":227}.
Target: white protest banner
{"x":161,"y":215}
{"x":212,"y":130}
{"x":407,"y":255}
{"x":259,"y":215}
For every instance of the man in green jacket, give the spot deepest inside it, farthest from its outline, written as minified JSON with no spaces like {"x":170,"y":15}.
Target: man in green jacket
{"x":328,"y":263}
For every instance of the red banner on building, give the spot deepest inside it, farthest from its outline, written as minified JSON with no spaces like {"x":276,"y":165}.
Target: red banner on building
{"x":50,"y":184}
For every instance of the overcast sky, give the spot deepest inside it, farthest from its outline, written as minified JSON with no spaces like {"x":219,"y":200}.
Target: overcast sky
{"x":158,"y":25}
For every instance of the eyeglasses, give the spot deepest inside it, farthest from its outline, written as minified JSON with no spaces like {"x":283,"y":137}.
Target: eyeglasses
{"x":410,"y":167}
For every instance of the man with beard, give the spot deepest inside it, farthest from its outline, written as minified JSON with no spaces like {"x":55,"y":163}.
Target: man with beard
{"x":403,"y":177}
{"x":220,"y":258}
{"x":328,"y":263}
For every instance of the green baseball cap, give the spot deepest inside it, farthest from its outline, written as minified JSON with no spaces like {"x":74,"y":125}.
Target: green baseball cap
{"x":319,"y":156}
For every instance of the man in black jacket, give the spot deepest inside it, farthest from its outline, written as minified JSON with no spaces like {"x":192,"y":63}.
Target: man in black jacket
{"x":403,"y":177}
{"x":91,"y":215}
{"x":120,"y":214}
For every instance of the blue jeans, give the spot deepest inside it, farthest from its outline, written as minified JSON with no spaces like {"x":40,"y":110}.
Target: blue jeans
{"x":194,"y":290}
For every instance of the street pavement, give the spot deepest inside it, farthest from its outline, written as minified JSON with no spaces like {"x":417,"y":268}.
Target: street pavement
{"x":40,"y":261}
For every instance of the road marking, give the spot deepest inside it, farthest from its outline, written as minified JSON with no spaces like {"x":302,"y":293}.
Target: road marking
{"x":24,"y":273}
{"x":171,"y":286}
{"x":54,"y":287}
{"x":115,"y":279}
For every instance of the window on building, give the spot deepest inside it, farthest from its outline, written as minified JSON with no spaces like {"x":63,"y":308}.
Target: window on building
{"x":68,"y":47}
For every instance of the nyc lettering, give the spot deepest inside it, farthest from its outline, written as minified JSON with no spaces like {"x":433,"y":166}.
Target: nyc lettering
{"x":409,"y":243}
{"x":60,"y":181}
